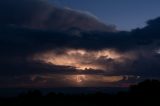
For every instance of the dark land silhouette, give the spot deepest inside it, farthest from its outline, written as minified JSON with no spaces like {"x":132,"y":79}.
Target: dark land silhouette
{"x":143,"y":94}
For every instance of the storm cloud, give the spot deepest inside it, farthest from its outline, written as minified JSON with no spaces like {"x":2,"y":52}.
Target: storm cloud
{"x":42,"y":15}
{"x":37,"y":40}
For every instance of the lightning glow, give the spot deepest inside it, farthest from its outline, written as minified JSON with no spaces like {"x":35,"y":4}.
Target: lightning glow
{"x":81,"y":59}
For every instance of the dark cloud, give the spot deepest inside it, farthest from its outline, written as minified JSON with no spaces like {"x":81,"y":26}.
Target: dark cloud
{"x":18,"y":45}
{"x":20,"y":41}
{"x":22,"y":12}
{"x":21,"y":67}
{"x":42,"y":15}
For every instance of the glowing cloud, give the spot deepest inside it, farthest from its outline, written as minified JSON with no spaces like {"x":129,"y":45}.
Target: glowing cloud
{"x":76,"y":80}
{"x":80,"y":78}
{"x":82,"y":59}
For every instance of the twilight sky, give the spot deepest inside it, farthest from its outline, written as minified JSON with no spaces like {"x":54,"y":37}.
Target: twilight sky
{"x":125,"y":14}
{"x":45,"y":45}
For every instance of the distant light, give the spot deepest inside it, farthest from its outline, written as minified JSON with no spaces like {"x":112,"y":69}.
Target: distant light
{"x":158,"y":51}
{"x":80,"y":78}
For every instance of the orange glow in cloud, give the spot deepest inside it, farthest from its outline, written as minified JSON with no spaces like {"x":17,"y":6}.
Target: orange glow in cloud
{"x":80,"y":79}
{"x":81,"y":59}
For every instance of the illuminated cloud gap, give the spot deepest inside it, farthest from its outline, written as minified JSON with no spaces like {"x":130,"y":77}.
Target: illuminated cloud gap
{"x":82,"y":59}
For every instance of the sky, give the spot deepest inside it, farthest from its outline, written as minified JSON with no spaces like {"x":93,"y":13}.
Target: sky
{"x":125,"y":14}
{"x":44,"y":44}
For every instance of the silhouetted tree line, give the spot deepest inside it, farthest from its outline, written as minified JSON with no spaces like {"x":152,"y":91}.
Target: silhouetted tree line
{"x":146,"y":93}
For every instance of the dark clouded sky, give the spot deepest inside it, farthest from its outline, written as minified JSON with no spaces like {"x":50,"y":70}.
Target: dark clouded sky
{"x":45,"y":45}
{"x":125,"y":14}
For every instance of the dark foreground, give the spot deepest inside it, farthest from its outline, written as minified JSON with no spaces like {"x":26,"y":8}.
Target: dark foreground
{"x":146,"y":93}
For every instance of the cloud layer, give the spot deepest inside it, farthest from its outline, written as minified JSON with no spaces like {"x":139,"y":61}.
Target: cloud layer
{"x":42,"y":15}
{"x":32,"y":50}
